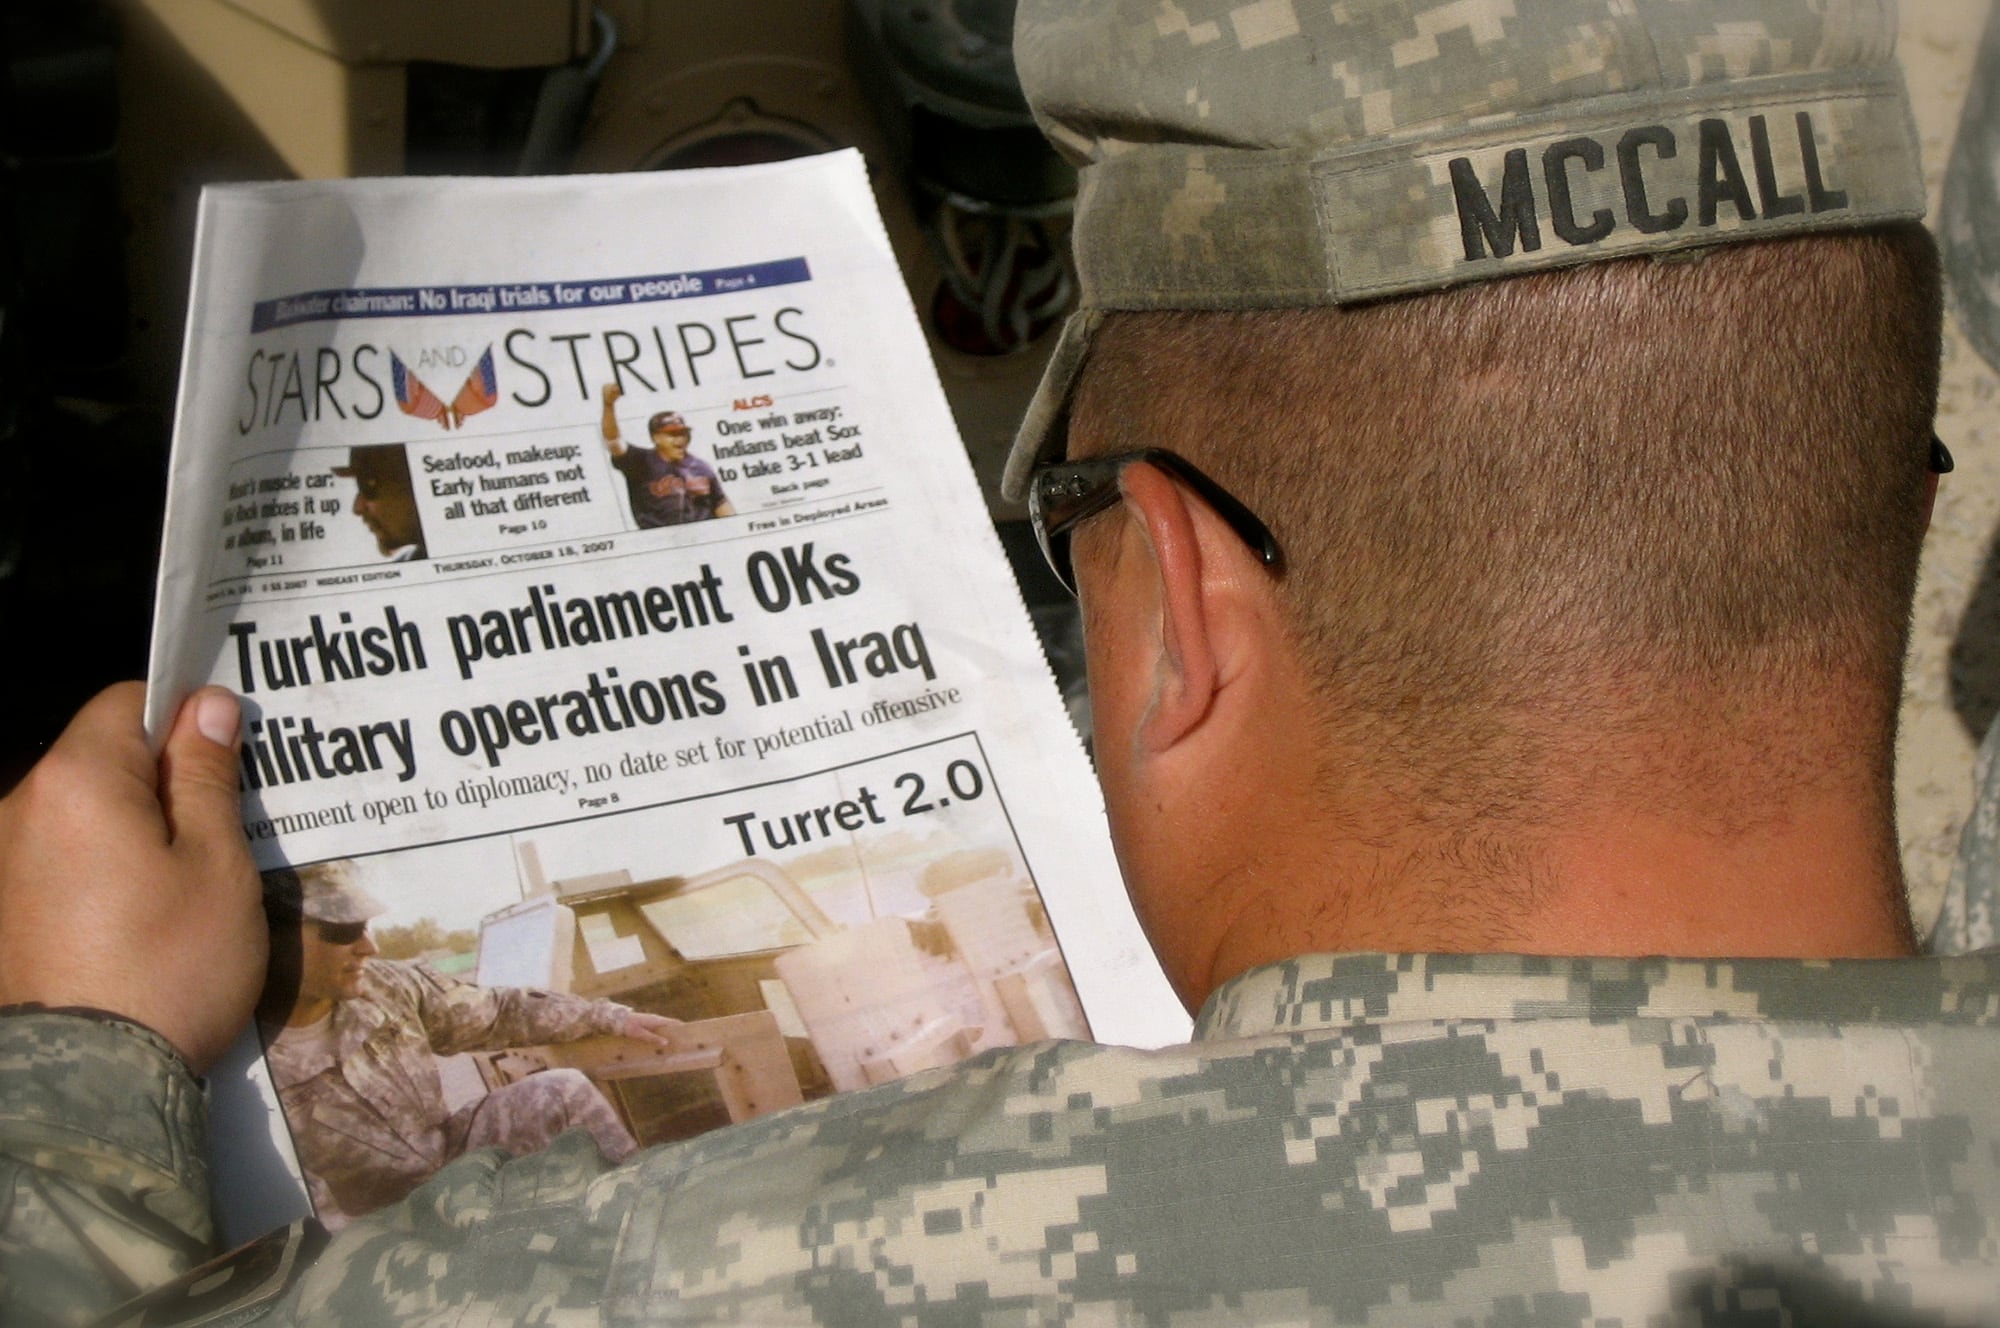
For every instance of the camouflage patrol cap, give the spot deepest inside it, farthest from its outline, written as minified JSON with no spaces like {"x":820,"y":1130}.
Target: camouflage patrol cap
{"x":320,"y":892}
{"x":1240,"y":154}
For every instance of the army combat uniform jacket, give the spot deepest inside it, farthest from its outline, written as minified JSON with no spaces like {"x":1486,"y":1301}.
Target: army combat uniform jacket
{"x":1360,"y":1139}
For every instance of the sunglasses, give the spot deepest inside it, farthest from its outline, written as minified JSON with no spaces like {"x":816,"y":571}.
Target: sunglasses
{"x":342,"y":933}
{"x":1065,"y":494}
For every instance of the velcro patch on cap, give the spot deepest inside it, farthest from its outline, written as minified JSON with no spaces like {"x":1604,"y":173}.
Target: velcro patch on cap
{"x":1566,"y":194}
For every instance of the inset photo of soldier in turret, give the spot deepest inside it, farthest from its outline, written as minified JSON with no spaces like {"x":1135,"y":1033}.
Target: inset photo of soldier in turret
{"x":354,"y":1040}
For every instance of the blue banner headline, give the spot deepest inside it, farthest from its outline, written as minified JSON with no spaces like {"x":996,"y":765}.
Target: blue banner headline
{"x":518,"y":297}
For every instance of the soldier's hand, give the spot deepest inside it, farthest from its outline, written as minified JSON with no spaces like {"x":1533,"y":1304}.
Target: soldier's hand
{"x":656,"y":1029}
{"x":126,"y":884}
{"x":612,"y":392}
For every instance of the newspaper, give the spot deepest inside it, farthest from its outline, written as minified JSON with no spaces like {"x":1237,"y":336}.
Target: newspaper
{"x":616,"y":617}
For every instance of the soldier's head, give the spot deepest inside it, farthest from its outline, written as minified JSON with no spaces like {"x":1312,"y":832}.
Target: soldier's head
{"x":383,"y":497}
{"x":670,"y":434}
{"x":1580,"y":363}
{"x":319,"y":921}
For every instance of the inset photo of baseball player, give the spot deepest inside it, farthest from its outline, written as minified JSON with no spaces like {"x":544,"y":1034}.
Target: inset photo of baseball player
{"x":385,"y":500}
{"x":667,"y":484}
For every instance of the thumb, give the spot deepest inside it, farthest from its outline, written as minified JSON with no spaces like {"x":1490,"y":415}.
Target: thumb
{"x":198,"y":773}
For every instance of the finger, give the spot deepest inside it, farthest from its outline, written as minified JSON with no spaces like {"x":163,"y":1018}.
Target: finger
{"x":646,"y":1032}
{"x":198,"y":773}
{"x":654,"y":1023}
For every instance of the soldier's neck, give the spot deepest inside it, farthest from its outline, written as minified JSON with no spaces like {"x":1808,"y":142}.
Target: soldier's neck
{"x":1825,"y":882}
{"x":1818,"y":878}
{"x":308,"y":1012}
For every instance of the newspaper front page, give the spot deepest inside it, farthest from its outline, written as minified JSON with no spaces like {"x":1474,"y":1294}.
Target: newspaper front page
{"x":620,"y":628}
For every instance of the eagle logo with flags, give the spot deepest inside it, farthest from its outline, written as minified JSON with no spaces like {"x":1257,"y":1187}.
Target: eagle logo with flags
{"x":480,"y":391}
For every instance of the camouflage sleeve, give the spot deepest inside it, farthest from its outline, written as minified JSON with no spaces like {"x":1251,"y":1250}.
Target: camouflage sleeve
{"x":459,"y":1016}
{"x":1969,"y":919}
{"x":103,"y":1178}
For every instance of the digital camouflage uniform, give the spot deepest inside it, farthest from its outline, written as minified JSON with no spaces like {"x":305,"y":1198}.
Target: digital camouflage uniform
{"x":369,"y":1119}
{"x":103,"y":1166}
{"x":1969,"y":918}
{"x":1364,"y":1139}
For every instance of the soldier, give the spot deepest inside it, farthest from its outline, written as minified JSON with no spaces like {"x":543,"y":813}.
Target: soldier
{"x":1451,"y":654}
{"x":353,"y":1042}
{"x":385,"y":500}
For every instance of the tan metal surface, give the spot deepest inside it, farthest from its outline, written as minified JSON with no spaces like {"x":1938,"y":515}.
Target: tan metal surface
{"x":208,"y":93}
{"x":745,"y":1052}
{"x":320,"y":115}
{"x":494,"y":34}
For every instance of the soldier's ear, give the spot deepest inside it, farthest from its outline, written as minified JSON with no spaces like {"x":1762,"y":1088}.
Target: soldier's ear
{"x":1193,"y":705}
{"x":1183,"y":663}
{"x":1213,"y":607}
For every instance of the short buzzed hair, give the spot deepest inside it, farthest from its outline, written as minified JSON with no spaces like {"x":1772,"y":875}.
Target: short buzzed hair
{"x":1578,"y":501}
